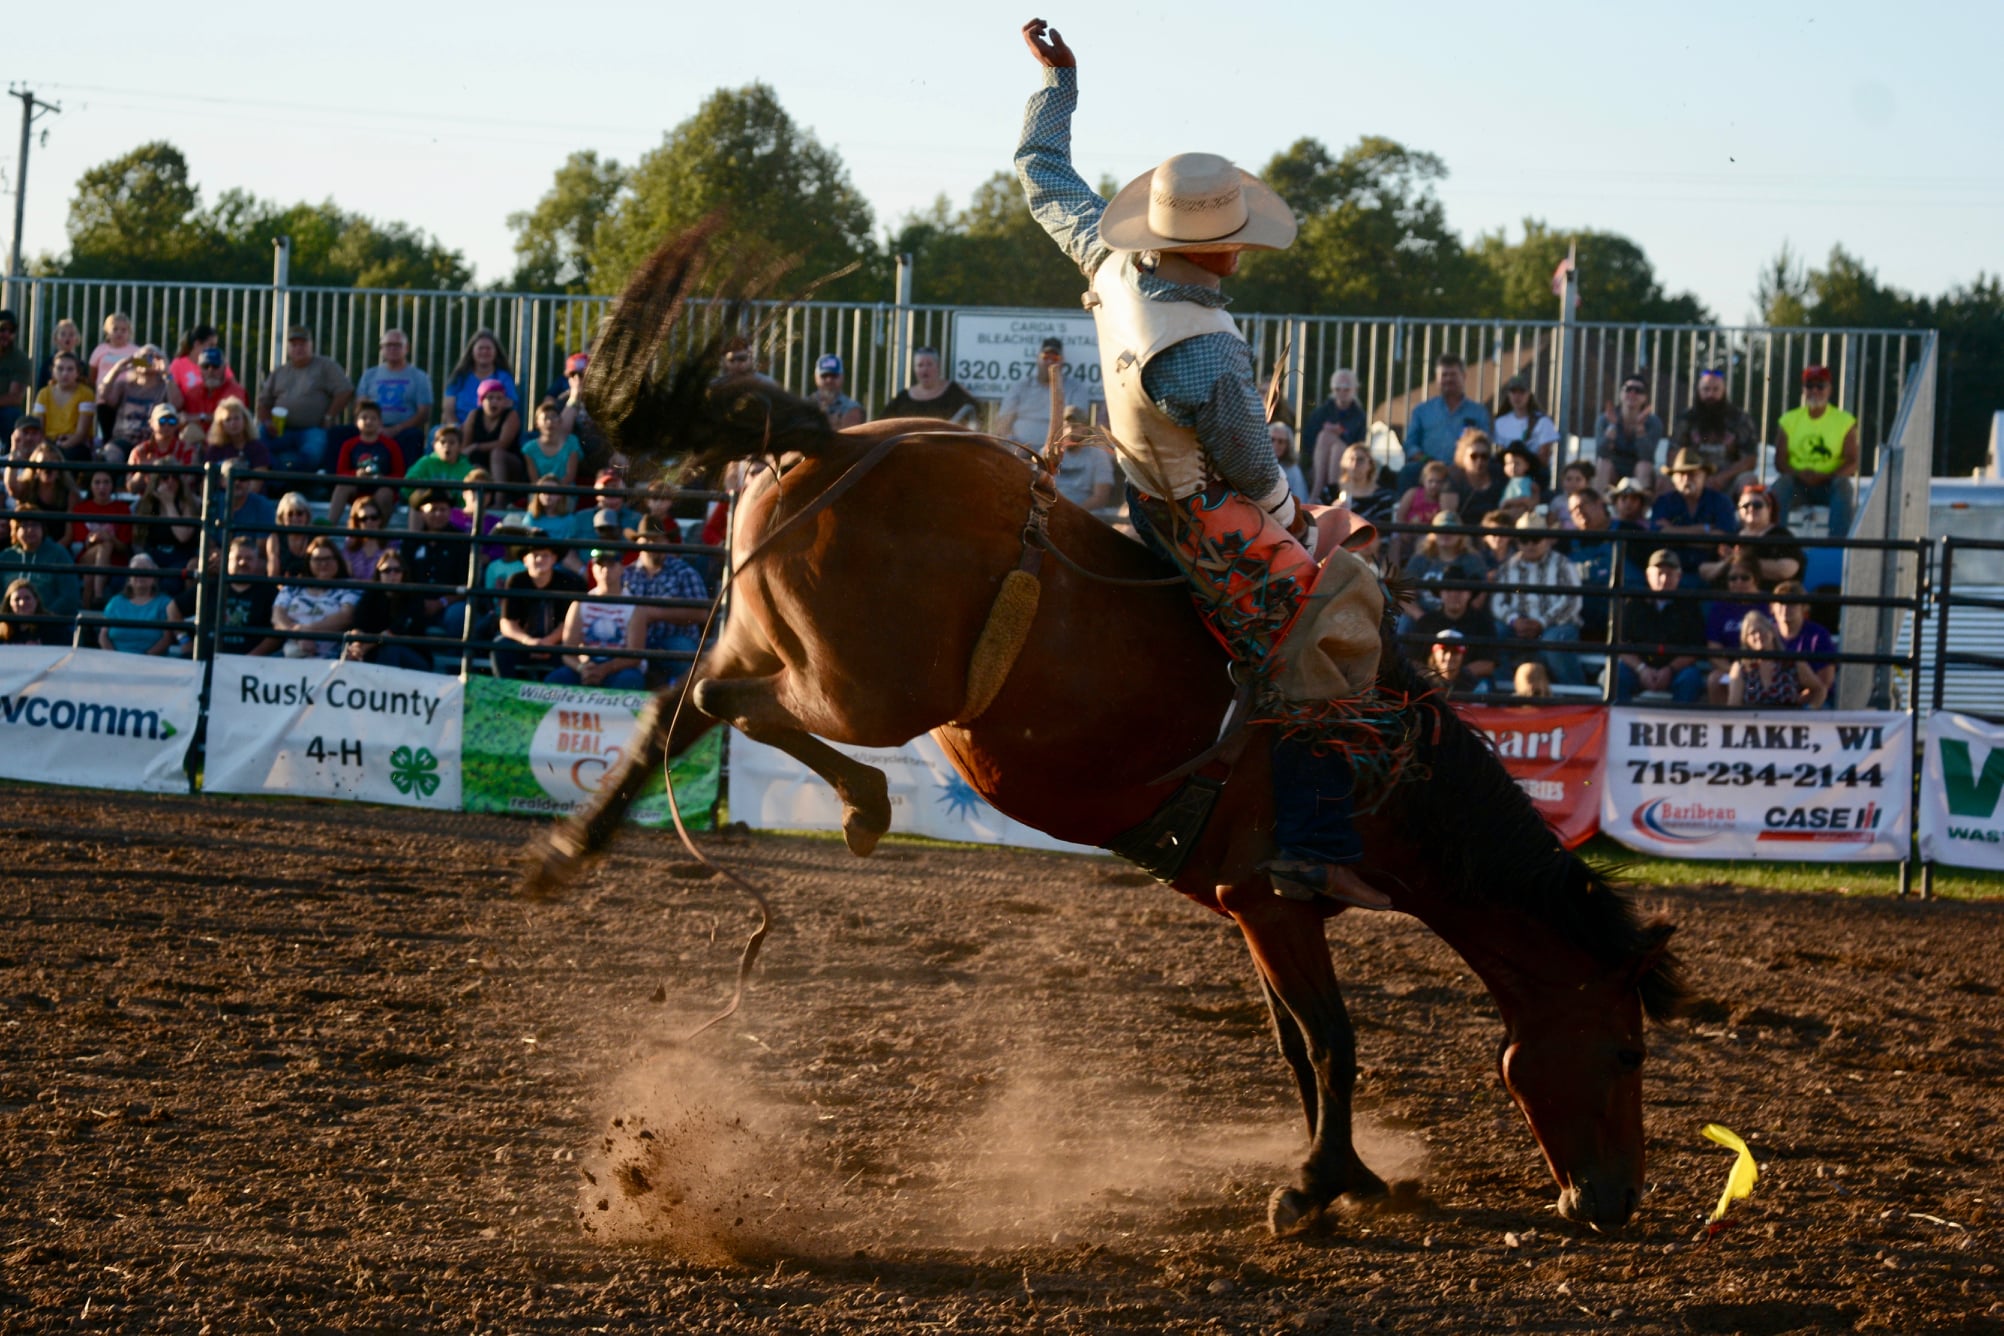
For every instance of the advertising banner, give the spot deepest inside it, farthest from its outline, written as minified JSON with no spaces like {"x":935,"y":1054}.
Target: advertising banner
{"x":1962,"y":780}
{"x":992,"y":350}
{"x":1554,"y":752}
{"x":1811,"y":785}
{"x":333,"y":728}
{"x":772,"y":791}
{"x":96,"y":718}
{"x":536,"y":750}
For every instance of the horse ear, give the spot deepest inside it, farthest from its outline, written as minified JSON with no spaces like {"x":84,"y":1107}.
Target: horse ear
{"x":1655,"y":946}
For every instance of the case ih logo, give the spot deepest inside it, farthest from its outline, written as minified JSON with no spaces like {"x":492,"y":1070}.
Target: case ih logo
{"x":1821,"y":825}
{"x":1683,"y":822}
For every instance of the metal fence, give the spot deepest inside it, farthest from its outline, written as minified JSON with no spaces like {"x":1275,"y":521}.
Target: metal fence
{"x":1392,"y":356}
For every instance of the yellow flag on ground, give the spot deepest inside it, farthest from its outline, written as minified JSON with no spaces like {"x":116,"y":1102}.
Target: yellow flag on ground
{"x":1739,"y":1183}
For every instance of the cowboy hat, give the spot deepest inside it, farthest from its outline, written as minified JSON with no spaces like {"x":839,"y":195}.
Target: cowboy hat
{"x":1197,"y":201}
{"x":1689,"y":461}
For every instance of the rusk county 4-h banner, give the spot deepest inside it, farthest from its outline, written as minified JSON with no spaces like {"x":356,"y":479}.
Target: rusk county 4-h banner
{"x":1554,"y":753}
{"x":772,"y":791}
{"x":1814,"y":785}
{"x":333,"y":728}
{"x":1962,"y":782}
{"x":95,"y":718}
{"x":536,"y":750}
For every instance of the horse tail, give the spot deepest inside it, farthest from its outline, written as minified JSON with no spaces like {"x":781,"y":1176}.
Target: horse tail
{"x":652,"y":385}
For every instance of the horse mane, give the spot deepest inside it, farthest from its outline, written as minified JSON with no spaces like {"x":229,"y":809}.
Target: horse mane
{"x":1503,"y":849}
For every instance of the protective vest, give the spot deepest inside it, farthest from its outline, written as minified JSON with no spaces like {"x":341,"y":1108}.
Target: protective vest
{"x":1815,"y":443}
{"x":1162,"y":457}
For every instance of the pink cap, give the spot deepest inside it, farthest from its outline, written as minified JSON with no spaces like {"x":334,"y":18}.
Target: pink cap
{"x":492,"y":386}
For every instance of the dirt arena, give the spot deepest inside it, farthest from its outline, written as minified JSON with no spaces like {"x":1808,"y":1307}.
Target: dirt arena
{"x":279,"y":1066}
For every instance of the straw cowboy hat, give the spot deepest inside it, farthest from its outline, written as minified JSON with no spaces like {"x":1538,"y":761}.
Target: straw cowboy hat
{"x":1689,"y":461}
{"x":1197,"y":201}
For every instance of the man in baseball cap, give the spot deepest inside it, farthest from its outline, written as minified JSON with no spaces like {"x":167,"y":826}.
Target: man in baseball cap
{"x":842,"y":411}
{"x":1817,"y":454}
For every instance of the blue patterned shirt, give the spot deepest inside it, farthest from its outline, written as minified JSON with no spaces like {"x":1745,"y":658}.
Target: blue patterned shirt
{"x":1205,"y":383}
{"x":675,"y":579}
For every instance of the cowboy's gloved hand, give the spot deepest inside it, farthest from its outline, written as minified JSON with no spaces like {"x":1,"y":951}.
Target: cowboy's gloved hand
{"x":1048,"y":46}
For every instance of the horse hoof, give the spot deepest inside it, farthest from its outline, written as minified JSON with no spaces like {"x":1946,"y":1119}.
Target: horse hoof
{"x":1287,"y":1210}
{"x":860,"y":835}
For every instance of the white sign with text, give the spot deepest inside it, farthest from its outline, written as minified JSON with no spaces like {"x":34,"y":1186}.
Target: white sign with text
{"x":1962,"y":790}
{"x":97,"y":718}
{"x":992,"y":350}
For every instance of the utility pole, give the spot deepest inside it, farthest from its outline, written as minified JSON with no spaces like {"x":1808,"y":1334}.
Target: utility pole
{"x":32,"y":108}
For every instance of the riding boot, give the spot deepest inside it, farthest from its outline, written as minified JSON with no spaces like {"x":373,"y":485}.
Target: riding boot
{"x":1317,"y":838}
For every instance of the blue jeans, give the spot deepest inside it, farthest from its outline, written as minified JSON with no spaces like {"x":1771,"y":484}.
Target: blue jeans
{"x":626,"y":679}
{"x":1562,"y":665}
{"x":1835,"y":494}
{"x":301,"y":450}
{"x":1687,"y":686}
{"x":401,"y":656}
{"x":1311,"y":805}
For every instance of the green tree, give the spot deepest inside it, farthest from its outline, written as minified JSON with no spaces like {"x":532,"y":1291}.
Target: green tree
{"x":554,"y":240}
{"x":781,"y":192}
{"x":136,"y":217}
{"x":992,"y":253}
{"x":1616,"y":280}
{"x":1781,"y":292}
{"x":1846,"y":292}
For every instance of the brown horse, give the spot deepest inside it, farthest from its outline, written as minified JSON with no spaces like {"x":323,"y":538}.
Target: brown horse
{"x":857,"y":624}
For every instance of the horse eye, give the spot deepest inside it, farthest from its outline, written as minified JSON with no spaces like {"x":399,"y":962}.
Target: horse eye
{"x":1630,"y":1059}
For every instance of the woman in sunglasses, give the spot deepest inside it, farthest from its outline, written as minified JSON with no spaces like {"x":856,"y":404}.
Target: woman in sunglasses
{"x":1628,"y":433}
{"x":364,"y":550}
{"x":1773,"y":562}
{"x":385,"y":609}
{"x":604,"y":628}
{"x":316,"y":608}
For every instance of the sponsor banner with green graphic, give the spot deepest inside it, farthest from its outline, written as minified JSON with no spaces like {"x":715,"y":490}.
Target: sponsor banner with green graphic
{"x":333,"y":728}
{"x":96,"y":718}
{"x":1962,"y":792}
{"x":540,"y":750}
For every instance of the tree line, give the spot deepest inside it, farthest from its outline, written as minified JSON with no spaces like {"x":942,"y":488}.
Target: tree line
{"x":1375,"y":240}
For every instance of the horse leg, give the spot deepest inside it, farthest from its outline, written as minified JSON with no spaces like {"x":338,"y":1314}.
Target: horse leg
{"x":752,"y":705}
{"x":1287,"y":1035}
{"x":1291,"y":950}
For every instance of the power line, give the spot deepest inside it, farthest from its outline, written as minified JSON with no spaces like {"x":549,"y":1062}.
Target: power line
{"x":32,"y":107}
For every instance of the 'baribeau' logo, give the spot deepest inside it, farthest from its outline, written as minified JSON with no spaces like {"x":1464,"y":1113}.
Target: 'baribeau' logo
{"x":82,"y":716}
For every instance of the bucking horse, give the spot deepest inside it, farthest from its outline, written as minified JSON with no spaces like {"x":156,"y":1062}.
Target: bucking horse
{"x":867,"y":566}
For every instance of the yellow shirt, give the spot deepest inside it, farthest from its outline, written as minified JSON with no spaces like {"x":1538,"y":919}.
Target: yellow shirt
{"x":1816,"y":443}
{"x":59,"y":413}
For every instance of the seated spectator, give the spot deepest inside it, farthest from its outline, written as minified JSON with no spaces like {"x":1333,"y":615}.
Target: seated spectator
{"x":535,"y":624}
{"x":494,"y":508}
{"x":1799,"y":635}
{"x":251,"y":511}
{"x":67,"y":409}
{"x":169,"y":527}
{"x":482,"y":610}
{"x":1770,"y":684}
{"x":550,"y":510}
{"x":1593,"y":557}
{"x":232,"y":434}
{"x":1527,"y":424}
{"x":1723,"y":436}
{"x":402,"y":393}
{"x":1541,"y":616}
{"x":605,"y":627}
{"x":44,"y":564}
{"x":186,"y":368}
{"x":1816,"y":454}
{"x":213,"y":386}
{"x":1740,"y":585}
{"x":482,"y":360}
{"x":443,"y":464}
{"x":101,"y":546}
{"x":1336,"y":424}
{"x":550,"y":453}
{"x":386,"y":610}
{"x":435,"y":553}
{"x":660,"y":575}
{"x":37,"y":484}
{"x":1282,"y":437}
{"x":1520,"y":474}
{"x":1355,"y":485}
{"x":1086,"y":477}
{"x":17,"y":373}
{"x":1690,"y":508}
{"x":243,"y":613}
{"x":140,"y":601}
{"x":163,"y":444}
{"x":842,"y":411}
{"x":363,"y":550}
{"x":1574,"y":478}
{"x":491,"y":432}
{"x":1446,"y":663}
{"x":1532,"y":680}
{"x":1499,"y":540}
{"x":116,"y":347}
{"x":23,"y":601}
{"x":1444,"y":556}
{"x":1435,"y":428}
{"x":1425,"y":503}
{"x":285,"y":556}
{"x":1025,"y":412}
{"x":932,"y":395}
{"x":1479,"y":633}
{"x":1773,"y":562}
{"x":369,"y":456}
{"x":300,"y":401}
{"x":65,"y":338}
{"x":1669,"y":631}
{"x":740,"y":360}
{"x":130,"y":398}
{"x":1627,"y":435}
{"x":609,"y":493}
{"x":1476,"y":477}
{"x":315,"y":608}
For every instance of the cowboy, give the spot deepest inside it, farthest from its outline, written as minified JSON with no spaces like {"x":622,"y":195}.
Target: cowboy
{"x":1190,"y":433}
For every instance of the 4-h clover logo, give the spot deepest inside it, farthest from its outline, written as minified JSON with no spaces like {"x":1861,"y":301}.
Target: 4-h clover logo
{"x":414,"y":770}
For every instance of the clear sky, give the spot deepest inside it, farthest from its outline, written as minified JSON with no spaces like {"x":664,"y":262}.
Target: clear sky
{"x":1708,"y":132}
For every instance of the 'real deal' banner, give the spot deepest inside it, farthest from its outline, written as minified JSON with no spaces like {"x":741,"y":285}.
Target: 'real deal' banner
{"x":1554,"y":753}
{"x":536,"y":750}
{"x":96,"y":718}
{"x":1806,"y":785}
{"x":1962,"y":792}
{"x":333,"y":728}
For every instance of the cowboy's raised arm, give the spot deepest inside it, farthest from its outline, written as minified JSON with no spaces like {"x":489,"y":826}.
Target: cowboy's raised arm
{"x":1060,"y":200}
